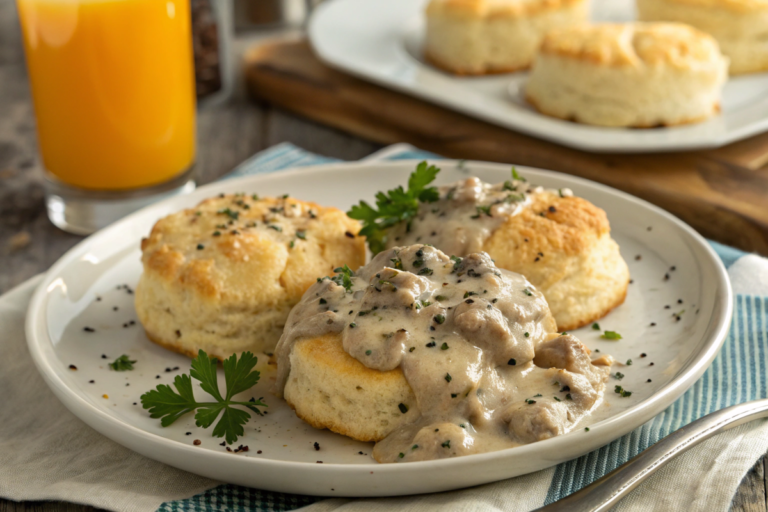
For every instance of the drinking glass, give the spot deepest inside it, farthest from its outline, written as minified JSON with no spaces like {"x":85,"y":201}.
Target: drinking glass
{"x":113,"y":89}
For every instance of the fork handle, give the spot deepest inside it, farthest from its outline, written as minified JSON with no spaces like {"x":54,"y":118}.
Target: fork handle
{"x":604,"y":493}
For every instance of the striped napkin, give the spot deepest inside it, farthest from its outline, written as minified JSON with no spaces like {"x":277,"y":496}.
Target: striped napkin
{"x":705,"y":478}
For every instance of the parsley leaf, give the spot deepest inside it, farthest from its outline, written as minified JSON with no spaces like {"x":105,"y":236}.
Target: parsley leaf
{"x":122,"y":363}
{"x":611,"y":335}
{"x":229,"y":213}
{"x":169,"y":405}
{"x":516,"y":176}
{"x":343,"y":277}
{"x":395,"y":206}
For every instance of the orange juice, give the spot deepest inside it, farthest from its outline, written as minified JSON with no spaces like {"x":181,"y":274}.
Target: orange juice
{"x":113,"y":89}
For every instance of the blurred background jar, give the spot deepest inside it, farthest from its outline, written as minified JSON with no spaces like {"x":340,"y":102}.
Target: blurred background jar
{"x":114,"y":95}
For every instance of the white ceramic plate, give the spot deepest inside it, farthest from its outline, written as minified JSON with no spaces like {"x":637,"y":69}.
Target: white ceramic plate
{"x":281,"y":456}
{"x":381,"y":41}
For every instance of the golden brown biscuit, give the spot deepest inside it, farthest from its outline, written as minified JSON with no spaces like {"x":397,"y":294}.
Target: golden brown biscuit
{"x":561,"y":243}
{"x":564,"y":247}
{"x":473,"y":37}
{"x":740,"y":26}
{"x":434,"y":357}
{"x":638,"y":75}
{"x":222,"y":277}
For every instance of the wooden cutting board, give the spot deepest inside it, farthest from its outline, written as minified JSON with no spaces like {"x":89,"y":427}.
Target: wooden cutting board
{"x":723,"y":193}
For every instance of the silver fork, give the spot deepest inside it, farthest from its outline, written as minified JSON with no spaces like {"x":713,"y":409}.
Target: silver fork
{"x":604,"y":493}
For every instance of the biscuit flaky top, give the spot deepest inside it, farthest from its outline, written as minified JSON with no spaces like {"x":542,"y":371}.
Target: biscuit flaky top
{"x":238,"y":249}
{"x":737,"y":6}
{"x":634,"y":45}
{"x":489,"y":9}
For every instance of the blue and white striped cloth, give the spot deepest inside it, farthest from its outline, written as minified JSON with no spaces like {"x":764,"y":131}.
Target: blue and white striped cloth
{"x":703,"y":479}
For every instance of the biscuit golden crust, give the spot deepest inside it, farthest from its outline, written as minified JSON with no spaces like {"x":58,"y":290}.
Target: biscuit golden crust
{"x":495,"y":8}
{"x":633,"y":44}
{"x":739,"y":26}
{"x":477,"y":37}
{"x":223,"y":276}
{"x":563,"y":246}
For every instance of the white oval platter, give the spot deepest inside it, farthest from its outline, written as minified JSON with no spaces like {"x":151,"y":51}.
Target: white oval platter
{"x":380,"y":41}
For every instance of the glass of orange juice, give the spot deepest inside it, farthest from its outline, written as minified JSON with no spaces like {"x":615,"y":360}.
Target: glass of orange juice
{"x":114,"y":95}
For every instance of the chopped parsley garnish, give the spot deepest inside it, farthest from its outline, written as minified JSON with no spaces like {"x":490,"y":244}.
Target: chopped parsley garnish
{"x":169,"y":405}
{"x":526,"y":334}
{"x":629,"y":362}
{"x":122,"y":363}
{"x":456,"y":263}
{"x":611,"y":335}
{"x":568,"y":397}
{"x":368,"y":352}
{"x":482,"y":210}
{"x":511,"y":362}
{"x":586,"y":429}
{"x":469,"y":294}
{"x":527,"y":292}
{"x":301,"y":234}
{"x":343,"y":277}
{"x":426,"y":271}
{"x":277,"y":228}
{"x":529,"y":401}
{"x":446,"y":444}
{"x":200,"y":247}
{"x":395,"y":206}
{"x":229,"y":213}
{"x":516,"y":176}
{"x":291,"y":244}
{"x":403,"y":408}
{"x":255,"y":197}
{"x":440,"y":319}
{"x":414,"y":447}
{"x":352,"y":326}
{"x":618,"y":375}
{"x":397,"y":263}
{"x":418,"y":263}
{"x":444,"y":346}
{"x":595,"y":326}
{"x":557,"y":399}
{"x":622,"y":392}
{"x":217,"y":233}
{"x":441,"y":297}
{"x":448,"y":377}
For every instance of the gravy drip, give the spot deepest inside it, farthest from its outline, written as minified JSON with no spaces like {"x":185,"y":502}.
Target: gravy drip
{"x":475,"y":343}
{"x":465,"y":215}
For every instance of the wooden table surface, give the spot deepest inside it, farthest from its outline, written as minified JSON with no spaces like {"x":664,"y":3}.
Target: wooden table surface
{"x":227,"y":134}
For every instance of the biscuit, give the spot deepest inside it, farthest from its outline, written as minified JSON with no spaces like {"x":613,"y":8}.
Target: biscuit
{"x":475,"y":37}
{"x":638,"y":75}
{"x":740,"y":26}
{"x":567,"y":253}
{"x":434,"y":357}
{"x":562,"y":244}
{"x":223,"y":276}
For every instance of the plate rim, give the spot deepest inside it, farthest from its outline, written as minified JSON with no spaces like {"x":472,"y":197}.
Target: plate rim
{"x":707,"y":139}
{"x":611,"y":428}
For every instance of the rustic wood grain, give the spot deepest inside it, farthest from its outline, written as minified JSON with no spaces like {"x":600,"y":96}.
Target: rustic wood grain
{"x":226,"y":135}
{"x":723,"y":193}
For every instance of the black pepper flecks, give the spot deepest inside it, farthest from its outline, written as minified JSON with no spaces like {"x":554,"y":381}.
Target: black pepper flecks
{"x":317,"y":446}
{"x":89,"y":329}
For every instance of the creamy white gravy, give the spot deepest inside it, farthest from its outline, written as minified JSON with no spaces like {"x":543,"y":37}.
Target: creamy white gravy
{"x":465,"y":215}
{"x":474,"y":342}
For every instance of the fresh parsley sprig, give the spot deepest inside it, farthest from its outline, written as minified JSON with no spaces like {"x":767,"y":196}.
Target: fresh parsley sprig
{"x":122,"y":363}
{"x":395,"y":206}
{"x":169,"y":405}
{"x":343,"y":277}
